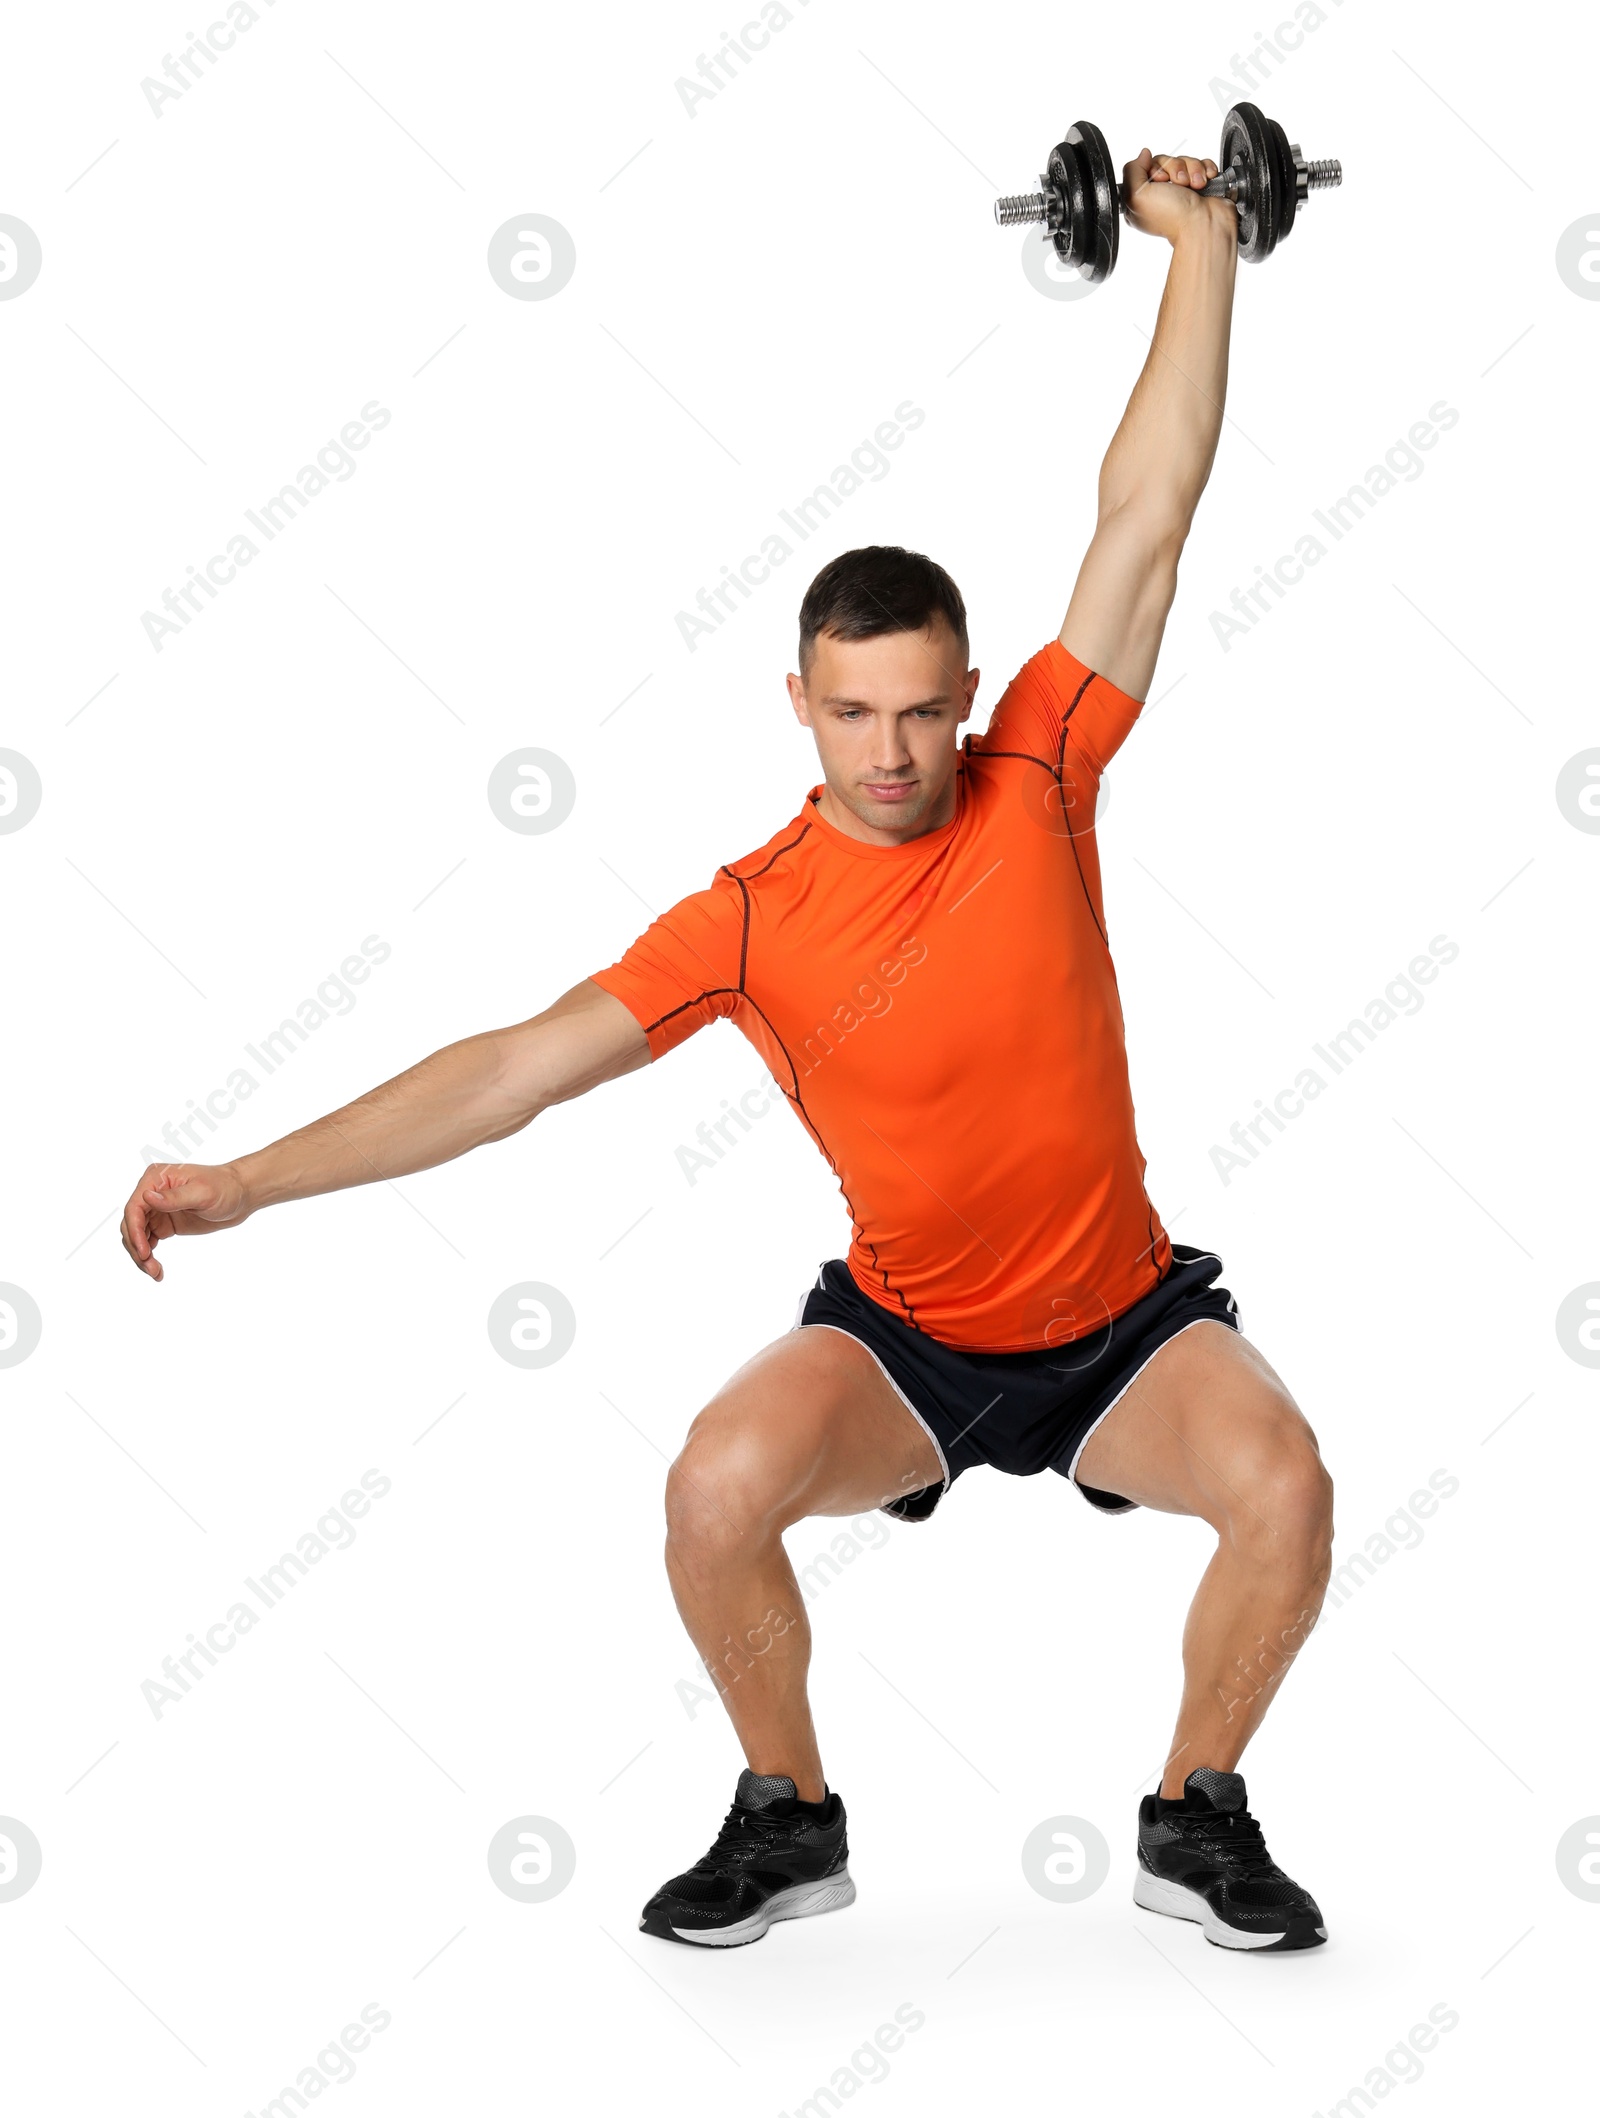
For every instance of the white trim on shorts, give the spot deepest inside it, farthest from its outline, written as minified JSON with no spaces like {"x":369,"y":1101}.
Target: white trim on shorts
{"x":895,"y":1387}
{"x":1072,"y":1468}
{"x":800,"y":1306}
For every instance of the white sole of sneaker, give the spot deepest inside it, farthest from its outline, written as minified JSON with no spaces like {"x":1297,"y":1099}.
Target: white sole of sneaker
{"x":832,"y":1894}
{"x":1156,"y":1894}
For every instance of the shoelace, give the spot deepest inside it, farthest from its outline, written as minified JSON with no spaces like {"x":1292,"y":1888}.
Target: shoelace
{"x":1231,"y":1837}
{"x":745,"y":1835}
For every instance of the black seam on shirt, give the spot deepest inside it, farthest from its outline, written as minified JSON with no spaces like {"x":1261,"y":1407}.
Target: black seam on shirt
{"x":1086,"y":888}
{"x":1077,"y":862}
{"x":793,"y":1095}
{"x":709,"y":993}
{"x":1087,"y":898}
{"x":800,"y":834}
{"x":1059,"y":768}
{"x":1026,"y":755}
{"x":744,"y":892}
{"x":1061,"y":751}
{"x":1161,"y":1270}
{"x":744,"y":938}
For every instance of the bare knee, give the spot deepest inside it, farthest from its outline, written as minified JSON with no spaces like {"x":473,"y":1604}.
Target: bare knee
{"x":724,"y":1494}
{"x":1281,"y":1515}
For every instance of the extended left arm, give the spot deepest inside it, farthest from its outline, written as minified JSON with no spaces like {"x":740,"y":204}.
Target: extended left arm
{"x":1160,"y":456}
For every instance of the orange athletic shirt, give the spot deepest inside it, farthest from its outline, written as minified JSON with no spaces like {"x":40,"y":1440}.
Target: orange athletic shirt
{"x":943,"y":1018}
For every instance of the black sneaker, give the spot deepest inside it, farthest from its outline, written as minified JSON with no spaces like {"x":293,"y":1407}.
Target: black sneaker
{"x":1207,"y":1861}
{"x":775,"y":1857}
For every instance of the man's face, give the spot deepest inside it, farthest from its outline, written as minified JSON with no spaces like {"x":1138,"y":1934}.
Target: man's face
{"x":886,"y":714}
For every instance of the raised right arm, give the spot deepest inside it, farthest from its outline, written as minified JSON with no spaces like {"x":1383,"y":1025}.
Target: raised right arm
{"x":484,"y":1088}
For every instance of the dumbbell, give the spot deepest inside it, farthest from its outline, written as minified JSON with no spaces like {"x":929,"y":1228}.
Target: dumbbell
{"x":1080,"y":201}
{"x":1266,"y":178}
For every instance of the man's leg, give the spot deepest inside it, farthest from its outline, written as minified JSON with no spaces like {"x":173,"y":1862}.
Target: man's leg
{"x":809,"y":1427}
{"x":1208,"y":1429}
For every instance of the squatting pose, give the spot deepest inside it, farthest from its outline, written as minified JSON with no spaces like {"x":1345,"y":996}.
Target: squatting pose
{"x":1010,"y":1297}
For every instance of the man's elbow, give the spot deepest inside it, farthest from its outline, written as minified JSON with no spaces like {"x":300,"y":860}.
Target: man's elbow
{"x":517,"y":1081}
{"x":1150,"y":529}
{"x":585,"y":1040}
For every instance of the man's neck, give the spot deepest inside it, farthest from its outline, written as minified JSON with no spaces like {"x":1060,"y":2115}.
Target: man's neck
{"x":935,"y":817}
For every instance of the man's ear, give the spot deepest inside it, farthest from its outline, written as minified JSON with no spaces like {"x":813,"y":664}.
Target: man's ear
{"x":973,"y":676}
{"x":797,"y":699}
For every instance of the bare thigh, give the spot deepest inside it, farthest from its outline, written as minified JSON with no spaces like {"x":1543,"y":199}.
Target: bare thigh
{"x":1206,"y":1428}
{"x":810,"y":1426}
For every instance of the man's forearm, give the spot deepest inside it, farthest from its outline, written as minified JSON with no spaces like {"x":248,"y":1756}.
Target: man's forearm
{"x":1160,"y":456}
{"x":484,"y":1088}
{"x":454,"y":1100}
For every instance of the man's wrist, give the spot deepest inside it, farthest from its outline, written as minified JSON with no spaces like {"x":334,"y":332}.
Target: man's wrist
{"x":1209,"y":234}
{"x":250,"y":1176}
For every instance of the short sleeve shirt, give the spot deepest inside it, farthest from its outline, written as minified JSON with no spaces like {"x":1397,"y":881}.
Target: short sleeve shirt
{"x":942,"y":1016}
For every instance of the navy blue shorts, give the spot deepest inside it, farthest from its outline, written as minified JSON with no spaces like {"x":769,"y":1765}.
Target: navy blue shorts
{"x":1021,"y":1412}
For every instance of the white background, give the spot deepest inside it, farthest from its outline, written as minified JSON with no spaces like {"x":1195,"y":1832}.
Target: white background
{"x":225,"y":1886}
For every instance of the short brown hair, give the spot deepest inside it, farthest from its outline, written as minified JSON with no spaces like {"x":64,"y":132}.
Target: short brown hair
{"x":880,"y":588}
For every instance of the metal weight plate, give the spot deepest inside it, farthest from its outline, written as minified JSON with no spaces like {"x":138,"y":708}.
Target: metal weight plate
{"x":1103,"y":224}
{"x":1060,"y":181}
{"x":1288,"y":197}
{"x":1066,"y":167}
{"x":1053,"y":183}
{"x":1231,"y":157}
{"x":1245,"y":140}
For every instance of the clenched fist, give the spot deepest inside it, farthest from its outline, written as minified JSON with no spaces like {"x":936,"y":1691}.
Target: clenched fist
{"x":1158,"y":194}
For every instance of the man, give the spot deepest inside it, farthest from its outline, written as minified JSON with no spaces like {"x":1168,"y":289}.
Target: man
{"x":920,"y":956}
